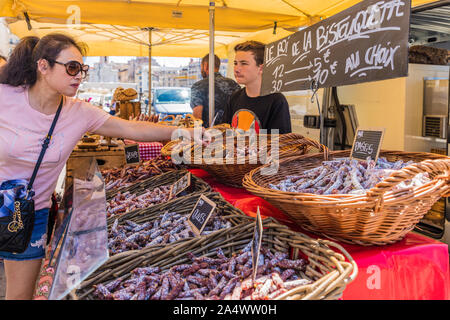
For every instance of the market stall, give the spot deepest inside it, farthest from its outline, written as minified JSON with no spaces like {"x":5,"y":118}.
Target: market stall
{"x":147,"y":250}
{"x":159,"y":242}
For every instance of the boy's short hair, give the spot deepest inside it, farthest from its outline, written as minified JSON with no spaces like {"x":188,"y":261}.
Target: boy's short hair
{"x":255,"y":47}
{"x":216,"y":61}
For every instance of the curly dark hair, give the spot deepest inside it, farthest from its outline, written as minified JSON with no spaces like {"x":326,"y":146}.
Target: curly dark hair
{"x":21,"y":68}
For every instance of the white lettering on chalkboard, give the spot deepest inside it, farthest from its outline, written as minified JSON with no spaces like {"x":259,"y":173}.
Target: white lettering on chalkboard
{"x":361,"y":146}
{"x":364,"y":42}
{"x":282,"y":51}
{"x":199,"y":216}
{"x":360,"y":26}
{"x":132,"y":155}
{"x":352,"y":62}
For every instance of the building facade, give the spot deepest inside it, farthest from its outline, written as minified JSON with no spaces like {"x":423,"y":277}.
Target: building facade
{"x":7,"y":40}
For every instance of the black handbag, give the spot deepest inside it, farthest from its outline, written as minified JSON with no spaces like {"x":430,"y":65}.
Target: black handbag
{"x":16,"y":225}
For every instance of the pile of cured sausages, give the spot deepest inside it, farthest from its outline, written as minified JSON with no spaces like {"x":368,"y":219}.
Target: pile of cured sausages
{"x":346,"y":176}
{"x":125,"y":202}
{"x":126,"y":176}
{"x":170,"y":227}
{"x":206,"y":278}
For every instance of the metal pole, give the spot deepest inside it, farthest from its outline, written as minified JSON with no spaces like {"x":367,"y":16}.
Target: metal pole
{"x":211,"y":61}
{"x":149,"y":70}
{"x":324,"y":132}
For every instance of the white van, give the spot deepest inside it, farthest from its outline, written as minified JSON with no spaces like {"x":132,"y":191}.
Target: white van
{"x":171,"y":101}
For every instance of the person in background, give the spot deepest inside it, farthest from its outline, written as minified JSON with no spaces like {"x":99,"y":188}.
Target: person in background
{"x":2,"y":60}
{"x":112,"y":108}
{"x":223,"y":88}
{"x":42,"y":74}
{"x":247,"y":109}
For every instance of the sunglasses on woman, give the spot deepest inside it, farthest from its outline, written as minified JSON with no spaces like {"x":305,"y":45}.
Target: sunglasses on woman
{"x":74,"y":67}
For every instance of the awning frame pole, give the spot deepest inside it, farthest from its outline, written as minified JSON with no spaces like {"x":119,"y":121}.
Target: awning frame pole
{"x":150,"y":71}
{"x":211,"y":61}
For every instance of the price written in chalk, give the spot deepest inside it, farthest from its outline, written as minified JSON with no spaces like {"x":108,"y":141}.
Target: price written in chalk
{"x":201,"y":213}
{"x":366,"y":42}
{"x":132,"y":154}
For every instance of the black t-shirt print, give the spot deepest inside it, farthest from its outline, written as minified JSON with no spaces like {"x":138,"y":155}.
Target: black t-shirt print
{"x":272,"y":111}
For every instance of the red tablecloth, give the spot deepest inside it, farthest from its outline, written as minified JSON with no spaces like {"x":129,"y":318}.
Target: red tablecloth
{"x":147,"y":150}
{"x":417,"y":267}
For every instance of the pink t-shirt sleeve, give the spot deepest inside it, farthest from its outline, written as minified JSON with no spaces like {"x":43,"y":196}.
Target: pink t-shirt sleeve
{"x":95,"y":117}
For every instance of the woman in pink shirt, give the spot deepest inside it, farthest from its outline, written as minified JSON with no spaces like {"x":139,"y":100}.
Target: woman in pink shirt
{"x":39,"y":73}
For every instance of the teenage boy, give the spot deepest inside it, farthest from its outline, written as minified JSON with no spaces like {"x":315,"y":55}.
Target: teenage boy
{"x":247,"y":109}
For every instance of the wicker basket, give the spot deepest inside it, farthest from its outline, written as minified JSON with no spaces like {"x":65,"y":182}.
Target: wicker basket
{"x":168,"y":148}
{"x":153,"y":167}
{"x":182,"y":206}
{"x":188,"y":121}
{"x":232,"y":173}
{"x":197,"y":186}
{"x":330,"y":270}
{"x":382,"y":216}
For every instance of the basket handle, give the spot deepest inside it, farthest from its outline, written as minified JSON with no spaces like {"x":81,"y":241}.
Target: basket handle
{"x":437,"y":166}
{"x":340,"y":248}
{"x":301,"y":140}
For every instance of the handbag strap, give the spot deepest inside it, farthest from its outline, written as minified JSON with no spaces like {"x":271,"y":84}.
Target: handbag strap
{"x":45,"y":146}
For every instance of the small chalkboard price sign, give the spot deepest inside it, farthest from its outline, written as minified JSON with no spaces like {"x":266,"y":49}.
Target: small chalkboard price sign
{"x":181,"y":185}
{"x":200,"y":214}
{"x":132,"y":153}
{"x":367,"y":143}
{"x":256,"y":244}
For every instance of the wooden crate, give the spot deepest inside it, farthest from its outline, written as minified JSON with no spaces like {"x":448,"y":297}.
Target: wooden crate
{"x":107,"y":158}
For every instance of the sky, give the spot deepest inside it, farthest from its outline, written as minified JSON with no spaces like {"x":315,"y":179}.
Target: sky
{"x":167,"y":61}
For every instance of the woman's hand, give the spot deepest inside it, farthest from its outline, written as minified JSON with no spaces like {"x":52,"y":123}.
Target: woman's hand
{"x":199,"y":135}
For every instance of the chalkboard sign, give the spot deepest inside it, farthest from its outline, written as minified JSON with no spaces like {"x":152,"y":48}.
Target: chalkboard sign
{"x":366,"y":42}
{"x":256,"y":244}
{"x":132,"y":153}
{"x":367,"y":143}
{"x":200,"y":214}
{"x":181,"y":185}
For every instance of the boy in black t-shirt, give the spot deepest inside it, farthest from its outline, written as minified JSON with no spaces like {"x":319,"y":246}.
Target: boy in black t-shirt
{"x":247,"y":109}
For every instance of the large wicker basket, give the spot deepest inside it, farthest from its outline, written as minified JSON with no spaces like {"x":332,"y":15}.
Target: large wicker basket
{"x":168,"y":149}
{"x":232,"y":173}
{"x":183,"y":206}
{"x":198,"y":186}
{"x":382,"y":216}
{"x":329,"y":270}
